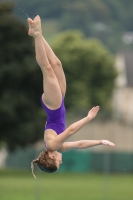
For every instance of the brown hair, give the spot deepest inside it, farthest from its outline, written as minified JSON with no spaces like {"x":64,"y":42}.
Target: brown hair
{"x":45,"y":163}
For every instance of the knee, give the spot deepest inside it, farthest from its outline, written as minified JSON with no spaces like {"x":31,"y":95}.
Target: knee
{"x":47,"y":67}
{"x":56,"y":63}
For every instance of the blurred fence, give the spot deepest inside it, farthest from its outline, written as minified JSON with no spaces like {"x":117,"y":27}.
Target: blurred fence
{"x":78,"y":161}
{"x":97,"y":159}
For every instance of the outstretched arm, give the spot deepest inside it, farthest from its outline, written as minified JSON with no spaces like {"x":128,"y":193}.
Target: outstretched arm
{"x":84,"y":144}
{"x":58,"y":141}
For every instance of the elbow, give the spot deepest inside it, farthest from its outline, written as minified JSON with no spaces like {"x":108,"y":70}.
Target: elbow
{"x":71,"y":130}
{"x":80,"y":145}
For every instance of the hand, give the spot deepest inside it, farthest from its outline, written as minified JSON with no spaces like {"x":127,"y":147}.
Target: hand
{"x":93,"y":112}
{"x":106,"y":142}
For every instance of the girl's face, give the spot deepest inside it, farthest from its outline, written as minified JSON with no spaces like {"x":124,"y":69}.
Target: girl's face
{"x":57,"y":157}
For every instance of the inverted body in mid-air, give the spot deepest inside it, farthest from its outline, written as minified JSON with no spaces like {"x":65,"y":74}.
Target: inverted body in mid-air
{"x":52,"y":100}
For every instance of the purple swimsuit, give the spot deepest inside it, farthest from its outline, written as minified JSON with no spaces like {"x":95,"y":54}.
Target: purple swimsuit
{"x":56,"y":119}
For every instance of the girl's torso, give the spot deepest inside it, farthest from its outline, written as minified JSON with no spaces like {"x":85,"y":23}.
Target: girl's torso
{"x":56,"y":119}
{"x":55,"y":123}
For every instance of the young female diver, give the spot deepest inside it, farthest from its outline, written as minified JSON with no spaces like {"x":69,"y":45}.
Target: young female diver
{"x":54,"y":85}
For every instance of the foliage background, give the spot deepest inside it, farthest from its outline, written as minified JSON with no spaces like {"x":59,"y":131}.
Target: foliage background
{"x":107,"y":20}
{"x":19,"y":79}
{"x":21,"y":116}
{"x":87,"y":63}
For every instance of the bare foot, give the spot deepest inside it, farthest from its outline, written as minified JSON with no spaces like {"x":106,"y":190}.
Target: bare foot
{"x":34,"y":26}
{"x":30,"y":31}
{"x":93,"y":112}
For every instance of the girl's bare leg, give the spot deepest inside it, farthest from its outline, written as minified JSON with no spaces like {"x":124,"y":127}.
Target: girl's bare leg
{"x":52,"y":96}
{"x":56,"y":65}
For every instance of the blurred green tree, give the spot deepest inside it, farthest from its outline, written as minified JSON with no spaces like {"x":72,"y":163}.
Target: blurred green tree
{"x":82,"y":15}
{"x":107,"y":20}
{"x":88,"y":66}
{"x":89,"y":69}
{"x":20,"y":83}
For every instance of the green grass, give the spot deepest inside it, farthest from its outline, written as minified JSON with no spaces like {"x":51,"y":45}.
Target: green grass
{"x":21,"y":185}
